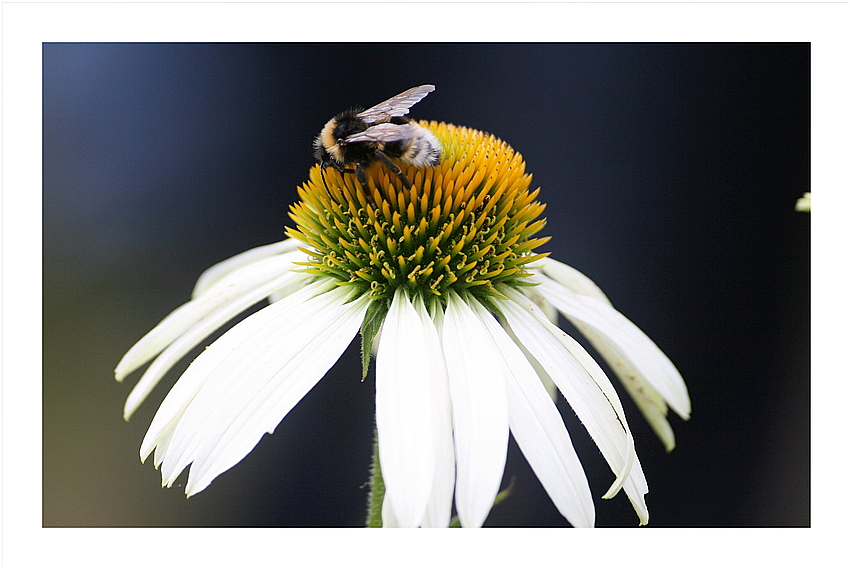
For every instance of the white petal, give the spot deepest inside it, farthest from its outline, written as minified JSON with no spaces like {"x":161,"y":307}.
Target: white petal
{"x":177,"y":322}
{"x":218,"y":271}
{"x":403,"y":413}
{"x":439,"y":510}
{"x":541,"y":435}
{"x":283,"y":382}
{"x":479,"y":410}
{"x":572,"y":279}
{"x":650,"y":402}
{"x":199,"y":372}
{"x":388,"y":520}
{"x":289,"y":282}
{"x":586,"y":388}
{"x":249,"y":380}
{"x":157,"y":339}
{"x":625,"y":340}
{"x":552,"y":314}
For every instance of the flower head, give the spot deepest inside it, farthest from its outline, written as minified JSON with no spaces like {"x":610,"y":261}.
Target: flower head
{"x":444,"y":285}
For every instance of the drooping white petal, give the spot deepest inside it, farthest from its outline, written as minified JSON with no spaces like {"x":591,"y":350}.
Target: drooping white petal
{"x":199,"y":372}
{"x":404,"y":414}
{"x":624,"y":340}
{"x":218,"y":271}
{"x":438,"y":513}
{"x":586,"y":388}
{"x":290,"y":377}
{"x":287,"y":283}
{"x":225,"y":291}
{"x":650,"y":402}
{"x":154,"y":341}
{"x":388,"y":520}
{"x":551,"y":313}
{"x":296,"y":374}
{"x":540,"y":433}
{"x":247,"y":381}
{"x":479,"y":409}
{"x":572,"y":279}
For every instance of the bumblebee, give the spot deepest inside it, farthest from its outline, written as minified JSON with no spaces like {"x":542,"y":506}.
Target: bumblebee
{"x":360,"y":137}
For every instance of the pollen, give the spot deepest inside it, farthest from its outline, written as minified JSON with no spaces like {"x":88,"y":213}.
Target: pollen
{"x":467,"y":224}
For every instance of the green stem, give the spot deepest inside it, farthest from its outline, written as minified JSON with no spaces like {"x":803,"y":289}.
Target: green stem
{"x":376,"y":490}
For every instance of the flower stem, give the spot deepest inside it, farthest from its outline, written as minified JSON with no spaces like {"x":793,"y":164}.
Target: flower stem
{"x":376,"y":490}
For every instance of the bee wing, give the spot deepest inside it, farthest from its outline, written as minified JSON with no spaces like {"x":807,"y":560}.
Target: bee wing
{"x":385,"y":132}
{"x":399,"y":105}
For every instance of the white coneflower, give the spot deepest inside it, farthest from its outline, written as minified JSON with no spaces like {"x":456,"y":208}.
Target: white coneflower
{"x":443,"y":284}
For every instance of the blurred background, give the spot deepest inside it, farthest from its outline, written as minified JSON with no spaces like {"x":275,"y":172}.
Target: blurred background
{"x":670,"y":173}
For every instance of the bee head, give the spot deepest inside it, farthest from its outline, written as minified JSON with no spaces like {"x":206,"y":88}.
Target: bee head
{"x":344,"y":125}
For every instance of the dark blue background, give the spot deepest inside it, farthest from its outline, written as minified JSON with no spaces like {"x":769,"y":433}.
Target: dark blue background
{"x":670,"y":173}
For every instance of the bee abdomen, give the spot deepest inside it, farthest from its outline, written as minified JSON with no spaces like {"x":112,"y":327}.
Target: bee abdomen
{"x":422,"y":150}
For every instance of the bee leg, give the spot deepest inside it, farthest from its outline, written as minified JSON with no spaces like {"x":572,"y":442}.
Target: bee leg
{"x":322,"y":171}
{"x":393,"y":168}
{"x":323,"y":165}
{"x":361,"y":175}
